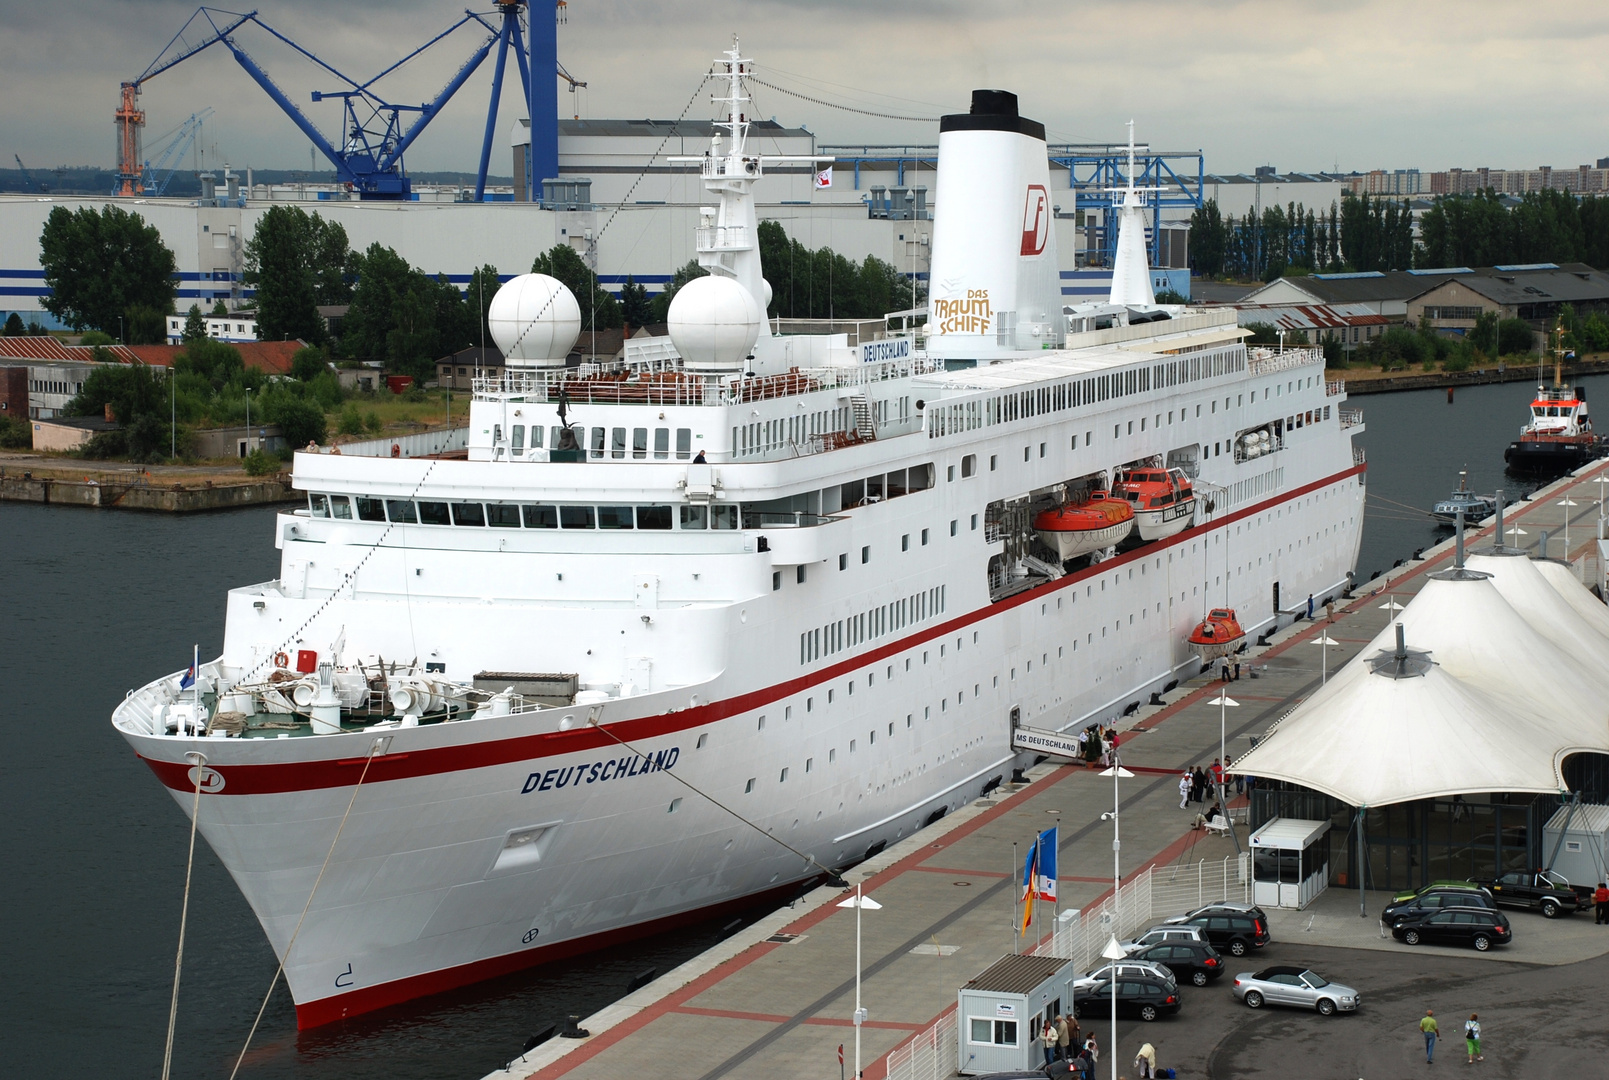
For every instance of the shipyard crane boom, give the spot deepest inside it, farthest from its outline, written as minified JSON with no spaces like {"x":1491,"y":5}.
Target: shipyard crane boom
{"x":27,"y":177}
{"x":157,"y":177}
{"x":368,"y":155}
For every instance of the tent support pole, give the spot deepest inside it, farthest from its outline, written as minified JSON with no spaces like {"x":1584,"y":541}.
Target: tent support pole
{"x":1362,"y":900}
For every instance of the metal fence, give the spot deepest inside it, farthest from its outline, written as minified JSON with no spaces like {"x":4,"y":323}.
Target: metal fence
{"x":1155,"y":893}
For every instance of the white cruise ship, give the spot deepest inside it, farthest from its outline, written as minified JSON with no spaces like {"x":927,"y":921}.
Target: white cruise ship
{"x":692,"y":632}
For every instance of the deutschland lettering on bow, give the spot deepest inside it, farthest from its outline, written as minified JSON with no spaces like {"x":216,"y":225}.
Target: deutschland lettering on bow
{"x":599,"y":771}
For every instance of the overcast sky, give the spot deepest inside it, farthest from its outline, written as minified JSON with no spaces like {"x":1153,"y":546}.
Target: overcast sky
{"x":1300,"y":85}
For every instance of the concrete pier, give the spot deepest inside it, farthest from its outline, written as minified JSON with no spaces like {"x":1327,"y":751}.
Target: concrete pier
{"x":776,"y":998}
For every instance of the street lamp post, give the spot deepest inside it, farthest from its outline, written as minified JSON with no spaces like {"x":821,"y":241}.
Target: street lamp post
{"x":248,"y":420}
{"x":1324,"y":642}
{"x":1113,"y":952}
{"x":1116,"y":772}
{"x":1224,"y":703}
{"x":1566,"y":502}
{"x":858,"y":902}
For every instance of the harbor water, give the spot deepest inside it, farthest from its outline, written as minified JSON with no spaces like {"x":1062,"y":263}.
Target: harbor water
{"x":94,"y":848}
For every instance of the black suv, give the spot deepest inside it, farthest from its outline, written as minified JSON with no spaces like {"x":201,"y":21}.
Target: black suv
{"x":1543,"y":891}
{"x":1434,"y":897}
{"x":1234,"y":932}
{"x":1477,"y":926}
{"x":1186,"y":959}
{"x":1136,"y":997}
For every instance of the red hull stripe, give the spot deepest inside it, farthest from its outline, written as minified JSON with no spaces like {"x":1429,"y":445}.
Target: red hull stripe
{"x":309,"y":775}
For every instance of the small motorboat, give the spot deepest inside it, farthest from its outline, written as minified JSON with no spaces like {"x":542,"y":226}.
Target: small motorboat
{"x":1164,"y":502}
{"x":1218,"y":635}
{"x":1075,"y":529}
{"x":1475,"y":508}
{"x":1559,"y":436}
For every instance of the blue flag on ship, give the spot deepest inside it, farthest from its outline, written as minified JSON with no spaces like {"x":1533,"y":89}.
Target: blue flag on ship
{"x":189,"y":678}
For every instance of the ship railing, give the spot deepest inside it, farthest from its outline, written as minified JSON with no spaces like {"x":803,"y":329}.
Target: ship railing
{"x":770,"y":519}
{"x":1350,"y":418}
{"x":722,"y":238}
{"x":1357,"y":455}
{"x":1334,"y":387}
{"x":1261,"y":361}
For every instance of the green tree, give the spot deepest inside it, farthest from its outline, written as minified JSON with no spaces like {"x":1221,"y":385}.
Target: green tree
{"x":483,"y":286}
{"x":195,"y":325}
{"x":309,"y":363}
{"x":14,"y":327}
{"x":1262,"y":333}
{"x":130,"y":389}
{"x":383,"y":277}
{"x":299,"y":420}
{"x":99,"y":263}
{"x":15,"y":434}
{"x":634,"y":305}
{"x":280,"y":264}
{"x":599,"y":310}
{"x":660,"y":305}
{"x":1515,"y":337}
{"x":1483,"y":335}
{"x":1209,"y":239}
{"x":145,"y":326}
{"x":220,"y":308}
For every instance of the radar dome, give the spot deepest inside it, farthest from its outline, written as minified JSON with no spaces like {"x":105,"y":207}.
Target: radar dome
{"x":535,"y":320}
{"x":714,"y":323}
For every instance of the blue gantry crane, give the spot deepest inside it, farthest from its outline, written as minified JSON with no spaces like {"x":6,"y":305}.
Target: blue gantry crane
{"x":157,"y":177}
{"x":375,"y":133}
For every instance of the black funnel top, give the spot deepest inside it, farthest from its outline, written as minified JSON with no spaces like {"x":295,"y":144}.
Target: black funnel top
{"x":993,"y":110}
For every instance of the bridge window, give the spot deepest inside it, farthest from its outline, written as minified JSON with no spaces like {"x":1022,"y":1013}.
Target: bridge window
{"x":639,"y":443}
{"x":653,"y":517}
{"x":340,"y":507}
{"x":617,"y":443}
{"x":541,"y":517}
{"x":598,"y":434}
{"x":723,"y":517}
{"x":695,"y":517}
{"x":684,"y":443}
{"x":614,"y":517}
{"x":401,"y":511}
{"x":503,"y":515}
{"x":370,"y":509}
{"x":661,"y":444}
{"x":576,"y":517}
{"x":468,"y":514}
{"x":433,"y":513}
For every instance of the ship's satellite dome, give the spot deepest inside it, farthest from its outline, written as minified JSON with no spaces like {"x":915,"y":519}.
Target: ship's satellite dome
{"x":714,"y":323}
{"x":535,"y":321}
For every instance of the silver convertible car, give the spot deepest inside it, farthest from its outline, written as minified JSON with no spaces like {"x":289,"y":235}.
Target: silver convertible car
{"x":1296,"y":986}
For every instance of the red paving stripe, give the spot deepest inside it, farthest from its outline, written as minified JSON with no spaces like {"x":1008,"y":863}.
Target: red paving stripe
{"x":960,"y":873}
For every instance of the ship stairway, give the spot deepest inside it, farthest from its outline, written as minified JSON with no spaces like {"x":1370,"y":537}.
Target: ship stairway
{"x":865,"y":426}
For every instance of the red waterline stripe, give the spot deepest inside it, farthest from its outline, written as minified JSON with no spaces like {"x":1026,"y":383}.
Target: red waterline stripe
{"x":283,"y":777}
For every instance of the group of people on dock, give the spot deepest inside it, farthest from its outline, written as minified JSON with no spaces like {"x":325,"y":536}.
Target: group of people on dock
{"x":1195,"y":783}
{"x":1098,"y":746}
{"x":1064,"y":1041}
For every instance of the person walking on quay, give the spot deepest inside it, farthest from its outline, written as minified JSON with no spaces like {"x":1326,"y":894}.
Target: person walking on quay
{"x":1600,"y":899}
{"x":1472,"y":1039}
{"x":1329,"y":609}
{"x":1063,"y":1036}
{"x":1184,"y":800}
{"x":1427,"y":1027}
{"x":1074,"y":1040}
{"x":1309,"y":607}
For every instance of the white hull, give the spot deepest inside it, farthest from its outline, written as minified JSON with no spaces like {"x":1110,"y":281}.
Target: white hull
{"x":1166,"y":522}
{"x":1069,"y":544}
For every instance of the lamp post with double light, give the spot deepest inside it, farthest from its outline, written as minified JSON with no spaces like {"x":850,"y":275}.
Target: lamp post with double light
{"x":859,"y":903}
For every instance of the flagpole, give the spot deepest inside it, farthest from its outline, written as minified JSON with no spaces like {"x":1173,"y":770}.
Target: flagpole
{"x":195,"y":682}
{"x":1016,"y":931}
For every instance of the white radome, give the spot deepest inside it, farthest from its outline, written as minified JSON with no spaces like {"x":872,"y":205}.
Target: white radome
{"x":714,"y":322}
{"x":535,"y":321}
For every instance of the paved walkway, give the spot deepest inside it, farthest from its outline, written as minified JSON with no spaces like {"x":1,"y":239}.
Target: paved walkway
{"x":776,"y":999}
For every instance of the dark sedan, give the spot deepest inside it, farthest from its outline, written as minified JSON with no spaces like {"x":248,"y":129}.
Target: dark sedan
{"x":1200,"y":964}
{"x":1434,"y":897}
{"x":1145,"y":999}
{"x":1480,"y":927}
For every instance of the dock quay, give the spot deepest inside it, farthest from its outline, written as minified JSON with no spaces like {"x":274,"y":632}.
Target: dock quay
{"x":776,"y":998}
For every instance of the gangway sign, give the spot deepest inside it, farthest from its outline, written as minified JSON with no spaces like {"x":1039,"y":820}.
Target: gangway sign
{"x":1045,"y":742}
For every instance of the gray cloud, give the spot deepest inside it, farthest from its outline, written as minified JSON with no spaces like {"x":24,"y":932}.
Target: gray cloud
{"x":1299,"y":84}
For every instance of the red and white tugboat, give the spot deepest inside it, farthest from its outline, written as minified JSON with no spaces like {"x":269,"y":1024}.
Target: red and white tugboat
{"x":1102,"y":521}
{"x":1559,"y":436}
{"x":1218,"y":635}
{"x":1164,"y":502}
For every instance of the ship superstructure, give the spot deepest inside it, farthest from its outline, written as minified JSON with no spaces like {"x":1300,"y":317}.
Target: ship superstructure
{"x":794,"y":575}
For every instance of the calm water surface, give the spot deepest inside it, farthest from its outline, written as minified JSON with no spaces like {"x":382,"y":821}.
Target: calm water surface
{"x":93,"y":847}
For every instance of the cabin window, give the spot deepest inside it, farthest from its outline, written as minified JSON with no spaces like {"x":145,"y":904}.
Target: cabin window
{"x":639,"y":443}
{"x":468,"y":514}
{"x":503,"y":515}
{"x":433,"y":513}
{"x":661,"y":444}
{"x":576,"y":517}
{"x":340,"y":507}
{"x":617,"y":443}
{"x":969,"y":465}
{"x":723,"y":517}
{"x":536,"y":437}
{"x":695,"y":517}
{"x":614,"y":517}
{"x":541,"y":517}
{"x":370,"y":509}
{"x":401,"y":511}
{"x":598,"y":434}
{"x":684,"y":443}
{"x":894,"y":484}
{"x":653,"y":517}
{"x":319,"y":505}
{"x":517,"y":442}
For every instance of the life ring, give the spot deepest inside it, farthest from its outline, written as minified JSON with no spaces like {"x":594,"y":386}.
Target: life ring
{"x":396,"y":450}
{"x":281,"y":660}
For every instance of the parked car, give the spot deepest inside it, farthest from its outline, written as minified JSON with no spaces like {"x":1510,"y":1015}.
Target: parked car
{"x":1137,"y":996}
{"x":1542,"y":891}
{"x":1198,"y":962}
{"x":1477,"y":926}
{"x":1125,"y":968}
{"x":1158,"y":934}
{"x":1289,"y":985}
{"x":1219,"y":907}
{"x":1234,"y":932}
{"x":1434,"y":897}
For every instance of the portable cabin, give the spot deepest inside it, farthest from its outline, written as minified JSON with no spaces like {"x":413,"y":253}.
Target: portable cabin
{"x":1290,"y":860}
{"x":1002,"y":1010}
{"x":1575,"y":843}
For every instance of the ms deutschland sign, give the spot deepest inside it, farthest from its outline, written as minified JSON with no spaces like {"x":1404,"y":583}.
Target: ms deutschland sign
{"x":877,"y":352}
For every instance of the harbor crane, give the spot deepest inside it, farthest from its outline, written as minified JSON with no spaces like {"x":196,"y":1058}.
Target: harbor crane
{"x":155,"y":178}
{"x":368,"y":154}
{"x":29,"y":181}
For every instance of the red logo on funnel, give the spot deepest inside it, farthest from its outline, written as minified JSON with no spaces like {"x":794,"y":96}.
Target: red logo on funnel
{"x":1035,"y":220}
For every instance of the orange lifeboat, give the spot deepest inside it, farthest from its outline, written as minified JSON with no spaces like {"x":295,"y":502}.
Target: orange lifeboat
{"x":1076,"y":529}
{"x":1164,"y":502}
{"x":1218,"y":635}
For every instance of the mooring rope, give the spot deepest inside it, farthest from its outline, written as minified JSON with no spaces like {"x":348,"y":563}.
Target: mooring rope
{"x":291,"y":944}
{"x":184,"y":912}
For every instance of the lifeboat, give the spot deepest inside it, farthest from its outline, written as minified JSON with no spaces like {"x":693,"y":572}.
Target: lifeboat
{"x":1217,"y":636}
{"x":1164,"y":502}
{"x":1076,"y":529}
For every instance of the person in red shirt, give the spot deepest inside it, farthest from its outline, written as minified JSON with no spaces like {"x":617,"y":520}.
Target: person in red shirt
{"x":1600,"y":897}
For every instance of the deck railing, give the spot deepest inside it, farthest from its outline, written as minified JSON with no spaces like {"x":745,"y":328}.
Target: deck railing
{"x":1351,"y":418}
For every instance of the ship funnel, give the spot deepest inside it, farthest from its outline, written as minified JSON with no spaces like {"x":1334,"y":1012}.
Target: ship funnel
{"x":996,"y":288}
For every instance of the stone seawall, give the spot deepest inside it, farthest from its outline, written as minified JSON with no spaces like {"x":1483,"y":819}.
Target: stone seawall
{"x":175,"y":498}
{"x":1437,"y":379}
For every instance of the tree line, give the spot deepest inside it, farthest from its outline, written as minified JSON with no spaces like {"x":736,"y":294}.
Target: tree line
{"x":1360,"y":233}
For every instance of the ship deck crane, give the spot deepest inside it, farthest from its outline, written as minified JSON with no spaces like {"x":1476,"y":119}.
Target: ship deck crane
{"x":368,"y":155}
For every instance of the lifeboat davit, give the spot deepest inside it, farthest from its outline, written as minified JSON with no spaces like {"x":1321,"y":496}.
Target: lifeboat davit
{"x":1164,"y":502}
{"x":1218,"y":635}
{"x":1078,"y":529}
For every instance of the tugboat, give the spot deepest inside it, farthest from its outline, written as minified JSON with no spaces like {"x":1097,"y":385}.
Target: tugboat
{"x":1073,"y":529}
{"x":1474,"y":507}
{"x":1164,"y":502}
{"x":1217,"y":636}
{"x":1559,"y":437}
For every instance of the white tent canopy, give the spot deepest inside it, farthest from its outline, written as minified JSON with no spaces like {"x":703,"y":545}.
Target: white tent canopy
{"x":1486,"y":700}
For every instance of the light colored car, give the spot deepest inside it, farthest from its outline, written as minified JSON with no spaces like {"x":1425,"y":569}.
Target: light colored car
{"x":1159,"y":934}
{"x":1296,"y":986}
{"x":1126,"y":968}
